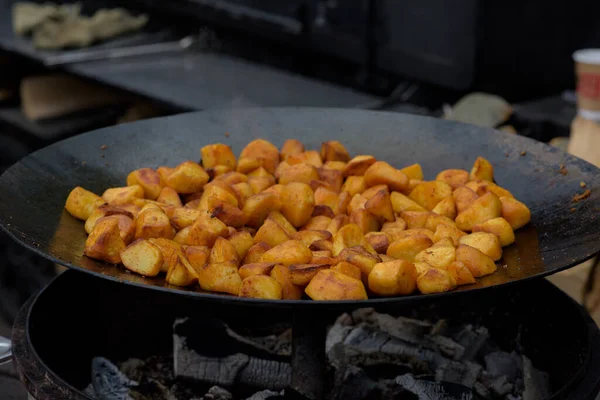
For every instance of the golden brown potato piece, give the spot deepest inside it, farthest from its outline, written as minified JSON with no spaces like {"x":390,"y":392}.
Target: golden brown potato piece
{"x":289,"y":291}
{"x":263,"y":151}
{"x":311,"y":157}
{"x":366,"y":221}
{"x":103,"y":211}
{"x":333,"y":178}
{"x":142,"y":257}
{"x":123,"y":195}
{"x":514,"y":212}
{"x":288,"y":253}
{"x":164,"y":172}
{"x":487,"y":243}
{"x":105,"y":242}
{"x":231,"y":178}
{"x":246,"y":165}
{"x":435,"y":220}
{"x":333,"y":285}
{"x":178,"y":272}
{"x":357,"y":203}
{"x":223,"y":277}
{"x":438,"y":257}
{"x":271,"y":233}
{"x":463,"y":198}
{"x":429,"y":194}
{"x":334,"y":151}
{"x":360,"y":257}
{"x":169,"y":196}
{"x":323,"y":257}
{"x":373,"y":190}
{"x":482,"y":187}
{"x":336,"y":223}
{"x":223,"y":251}
{"x":197,"y":258}
{"x":323,"y":211}
{"x":327,"y":197}
{"x":482,"y":169}
{"x":259,"y":172}
{"x":433,"y":280}
{"x":291,"y":147}
{"x":257,"y":208}
{"x":298,"y":204}
{"x":453,"y":177}
{"x":412,"y":184}
{"x":126,"y":226}
{"x":260,"y":268}
{"x":217,"y":154}
{"x":380,"y":206}
{"x":187,"y":177}
{"x":358,"y":165}
{"x":205,"y":231}
{"x":394,"y":229}
{"x":354,"y":185}
{"x":401,"y":203}
{"x":217,"y":191}
{"x":444,"y":231}
{"x":446,"y":208}
{"x":230,"y":215}
{"x":413,"y":232}
{"x":243,"y":191}
{"x":393,"y":278}
{"x":413,"y":171}
{"x":318,"y":223}
{"x":261,"y":287}
{"x":380,"y":241}
{"x":319,"y":245}
{"x":499,"y":227}
{"x":148,"y":179}
{"x":342,"y":204}
{"x":169,"y":250}
{"x":335,"y":165}
{"x":415,"y":219}
{"x":282,"y":221}
{"x":478,"y":263}
{"x":444,"y":242}
{"x":350,"y":235}
{"x":461,"y":274}
{"x":407,"y":248}
{"x":153,"y":223}
{"x":183,"y":236}
{"x":218,"y":170}
{"x":482,"y":209}
{"x":301,"y":274}
{"x":184,"y":216}
{"x":131,"y":208}
{"x":255,"y":253}
{"x":261,"y":183}
{"x":242,"y":241}
{"x":382,"y":173}
{"x":278,"y":191}
{"x":307,"y":237}
{"x":348,"y":269}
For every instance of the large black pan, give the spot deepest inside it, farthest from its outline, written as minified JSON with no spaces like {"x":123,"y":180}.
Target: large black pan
{"x":562,"y":233}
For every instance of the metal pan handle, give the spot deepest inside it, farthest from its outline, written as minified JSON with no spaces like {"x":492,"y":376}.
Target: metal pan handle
{"x":5,"y":350}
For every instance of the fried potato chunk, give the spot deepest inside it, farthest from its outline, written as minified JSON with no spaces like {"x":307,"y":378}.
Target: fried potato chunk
{"x":291,"y":147}
{"x":382,"y":173}
{"x":142,"y":257}
{"x":429,"y":194}
{"x":214,"y":155}
{"x":413,"y":171}
{"x":333,"y":285}
{"x":187,"y":177}
{"x":358,"y":165}
{"x":393,"y":278}
{"x":360,"y":257}
{"x":105,"y":242}
{"x":169,"y":196}
{"x":453,"y":177}
{"x":288,"y":253}
{"x":408,"y":247}
{"x":334,"y":151}
{"x":302,"y":274}
{"x":478,"y":263}
{"x":463,"y":198}
{"x":380,"y":206}
{"x":298,"y":203}
{"x":289,"y":291}
{"x":487,"y":243}
{"x":482,"y":209}
{"x":348,"y":269}
{"x":123,"y":195}
{"x":221,"y":277}
{"x":499,"y":227}
{"x":260,"y":268}
{"x":437,"y":256}
{"x":433,"y":280}
{"x":169,"y":249}
{"x":482,"y":169}
{"x":262,"y":151}
{"x":514,"y":212}
{"x":350,"y":235}
{"x":261,"y":287}
{"x":148,"y":179}
{"x":461,"y":274}
{"x":402,"y":203}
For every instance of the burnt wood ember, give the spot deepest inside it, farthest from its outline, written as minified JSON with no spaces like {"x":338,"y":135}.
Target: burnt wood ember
{"x":431,"y":390}
{"x":108,"y":382}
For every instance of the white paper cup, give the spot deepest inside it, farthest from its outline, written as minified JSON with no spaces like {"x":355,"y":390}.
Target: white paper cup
{"x":587,"y":69}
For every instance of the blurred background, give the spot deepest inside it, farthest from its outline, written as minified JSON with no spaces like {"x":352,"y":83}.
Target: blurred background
{"x":67,"y":68}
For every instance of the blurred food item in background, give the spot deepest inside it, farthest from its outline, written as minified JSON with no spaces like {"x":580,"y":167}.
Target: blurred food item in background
{"x":508,"y":129}
{"x":587,"y":69}
{"x":57,"y":95}
{"x":141,"y":110}
{"x":480,"y":109}
{"x":56,"y":27}
{"x":560,"y":142}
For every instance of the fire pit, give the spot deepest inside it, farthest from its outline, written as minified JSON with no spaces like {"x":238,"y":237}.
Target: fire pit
{"x":60,"y":334}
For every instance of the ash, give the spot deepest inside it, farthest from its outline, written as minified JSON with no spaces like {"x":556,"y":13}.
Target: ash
{"x":370,"y":356}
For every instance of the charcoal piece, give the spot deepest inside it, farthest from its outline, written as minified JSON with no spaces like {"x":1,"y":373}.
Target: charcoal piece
{"x":351,"y":383}
{"x":264,"y":395}
{"x":501,"y":363}
{"x":472,"y":339}
{"x":336,"y":334}
{"x":511,"y":397}
{"x":217,"y":393}
{"x":420,"y":358}
{"x":266,"y":373}
{"x":430,"y":390}
{"x":389,"y":390}
{"x":440,"y":327}
{"x":366,"y":339}
{"x":272,"y":344}
{"x":211,"y":370}
{"x":463,"y":373}
{"x":446,"y":346}
{"x":108,"y":382}
{"x":407,"y":329}
{"x":501,"y":386}
{"x":364,"y":315}
{"x":536,"y":382}
{"x":344,"y":319}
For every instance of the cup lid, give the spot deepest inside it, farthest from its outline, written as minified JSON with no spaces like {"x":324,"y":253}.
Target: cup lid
{"x":588,"y":56}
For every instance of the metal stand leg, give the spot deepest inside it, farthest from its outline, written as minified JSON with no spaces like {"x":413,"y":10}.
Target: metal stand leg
{"x":308,"y":356}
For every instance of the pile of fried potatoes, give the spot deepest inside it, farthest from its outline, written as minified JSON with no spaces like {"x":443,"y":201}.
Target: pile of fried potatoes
{"x":276,"y":224}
